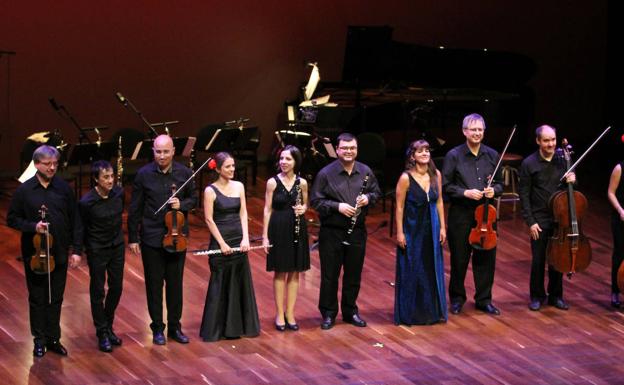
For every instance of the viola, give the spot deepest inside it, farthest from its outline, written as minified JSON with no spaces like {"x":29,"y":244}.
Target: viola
{"x":42,"y":261}
{"x":568,"y":250}
{"x":174,"y":241}
{"x":483,"y":236}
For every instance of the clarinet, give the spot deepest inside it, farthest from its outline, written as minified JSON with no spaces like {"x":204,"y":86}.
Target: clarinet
{"x":218,"y":251}
{"x":119,"y":164}
{"x":297,"y":217}
{"x":358,"y":210}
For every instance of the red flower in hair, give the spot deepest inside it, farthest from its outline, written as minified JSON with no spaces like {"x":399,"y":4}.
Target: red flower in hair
{"x":212,"y":164}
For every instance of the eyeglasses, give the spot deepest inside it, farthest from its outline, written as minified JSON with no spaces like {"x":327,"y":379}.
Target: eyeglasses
{"x":473,"y":129}
{"x":351,"y":148}
{"x":50,"y":163}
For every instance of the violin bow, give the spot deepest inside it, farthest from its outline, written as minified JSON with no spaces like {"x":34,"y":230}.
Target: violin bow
{"x":500,"y":159}
{"x":183,"y":184}
{"x":585,"y":153}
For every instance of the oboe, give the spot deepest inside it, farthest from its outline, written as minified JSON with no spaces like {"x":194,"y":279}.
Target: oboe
{"x":218,"y":251}
{"x":358,"y":210}
{"x":298,"y":202}
{"x":119,"y":164}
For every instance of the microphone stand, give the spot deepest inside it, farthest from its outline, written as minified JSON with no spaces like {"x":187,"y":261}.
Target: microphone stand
{"x":82,"y":136}
{"x":151,"y":132}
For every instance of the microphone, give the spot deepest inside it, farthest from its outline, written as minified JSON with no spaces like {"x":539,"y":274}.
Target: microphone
{"x":53,"y":104}
{"x":121,"y":99}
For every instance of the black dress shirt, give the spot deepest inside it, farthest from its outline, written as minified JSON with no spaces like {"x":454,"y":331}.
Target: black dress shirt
{"x":463,"y":171}
{"x":333,"y":185}
{"x":60,"y":201}
{"x":100,"y":219}
{"x":539,"y":179}
{"x":152,"y":188}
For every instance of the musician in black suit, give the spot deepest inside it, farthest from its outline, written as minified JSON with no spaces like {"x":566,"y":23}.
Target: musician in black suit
{"x":540,"y":175}
{"x":465,"y":176}
{"x":151,"y":188}
{"x":45,"y":188}
{"x":336,"y":192}
{"x":101,"y":227}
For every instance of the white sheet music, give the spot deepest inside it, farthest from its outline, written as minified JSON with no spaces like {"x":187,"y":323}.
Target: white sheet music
{"x":30,"y":171}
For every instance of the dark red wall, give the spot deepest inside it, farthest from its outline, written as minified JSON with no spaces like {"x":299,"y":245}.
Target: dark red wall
{"x":210,"y":61}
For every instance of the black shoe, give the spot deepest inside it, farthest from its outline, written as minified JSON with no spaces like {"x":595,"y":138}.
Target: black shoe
{"x":328,"y":323}
{"x":355,"y":320}
{"x":559,"y":303}
{"x":39,"y":349}
{"x":456,"y":307}
{"x":280,"y":328}
{"x":178,"y":336}
{"x":159,"y":338}
{"x":535,"y":304}
{"x":615,"y":301}
{"x":56,"y":347}
{"x":290,"y":326}
{"x":104,"y":344}
{"x":112,"y":337}
{"x":489,"y":309}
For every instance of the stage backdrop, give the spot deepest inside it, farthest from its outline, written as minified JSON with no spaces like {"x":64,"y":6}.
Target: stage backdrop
{"x":202,"y":62}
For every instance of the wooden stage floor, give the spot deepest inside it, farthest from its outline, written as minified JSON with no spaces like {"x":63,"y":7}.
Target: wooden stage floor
{"x":580,"y":346}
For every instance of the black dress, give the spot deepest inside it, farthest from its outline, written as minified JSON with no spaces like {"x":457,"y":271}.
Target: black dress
{"x":286,"y":255}
{"x":230,"y":309}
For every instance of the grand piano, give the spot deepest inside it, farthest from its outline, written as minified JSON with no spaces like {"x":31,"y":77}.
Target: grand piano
{"x":405,"y":91}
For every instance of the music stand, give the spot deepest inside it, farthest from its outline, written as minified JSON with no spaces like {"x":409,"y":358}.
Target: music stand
{"x":85,"y":153}
{"x":143,"y":150}
{"x":223,"y":139}
{"x":183,"y":146}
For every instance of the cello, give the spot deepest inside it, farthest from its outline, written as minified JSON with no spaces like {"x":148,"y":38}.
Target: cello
{"x":568,"y":250}
{"x":174,"y":241}
{"x":483,"y":236}
{"x":42,"y":261}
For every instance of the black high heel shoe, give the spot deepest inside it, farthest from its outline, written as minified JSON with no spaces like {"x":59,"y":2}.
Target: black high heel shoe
{"x":290,"y":326}
{"x":615,"y":301}
{"x":278,"y":327}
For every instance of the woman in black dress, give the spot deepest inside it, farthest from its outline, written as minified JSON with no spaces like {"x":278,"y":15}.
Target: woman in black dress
{"x":616,"y":198}
{"x":230,"y":310}
{"x":285,"y":229}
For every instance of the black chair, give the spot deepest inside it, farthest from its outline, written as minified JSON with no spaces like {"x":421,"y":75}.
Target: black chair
{"x":372,"y":152}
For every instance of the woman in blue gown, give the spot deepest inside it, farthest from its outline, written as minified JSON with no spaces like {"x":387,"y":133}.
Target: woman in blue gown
{"x":420,"y":297}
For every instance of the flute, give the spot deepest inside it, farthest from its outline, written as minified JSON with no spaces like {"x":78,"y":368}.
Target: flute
{"x":358,"y":210}
{"x":218,"y":251}
{"x":297,"y":217}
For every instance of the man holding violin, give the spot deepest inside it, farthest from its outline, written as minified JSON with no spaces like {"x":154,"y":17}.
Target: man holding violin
{"x":540,"y":175}
{"x":101,"y":230}
{"x":46,"y":288}
{"x":152,"y":187}
{"x":465,"y":176}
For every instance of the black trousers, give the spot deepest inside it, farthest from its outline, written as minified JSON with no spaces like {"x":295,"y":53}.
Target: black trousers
{"x":334,"y":256}
{"x":460,"y":221}
{"x":617,"y":229}
{"x":538,"y":262}
{"x":45,"y":318}
{"x":106,"y":266}
{"x":162,"y":267}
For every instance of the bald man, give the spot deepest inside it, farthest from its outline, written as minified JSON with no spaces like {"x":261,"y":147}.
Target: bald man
{"x":151,"y":188}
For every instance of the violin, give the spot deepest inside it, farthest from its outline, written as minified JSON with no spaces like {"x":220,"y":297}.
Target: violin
{"x":568,"y":250}
{"x":42,"y":261}
{"x":174,"y":241}
{"x":483,"y":236}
